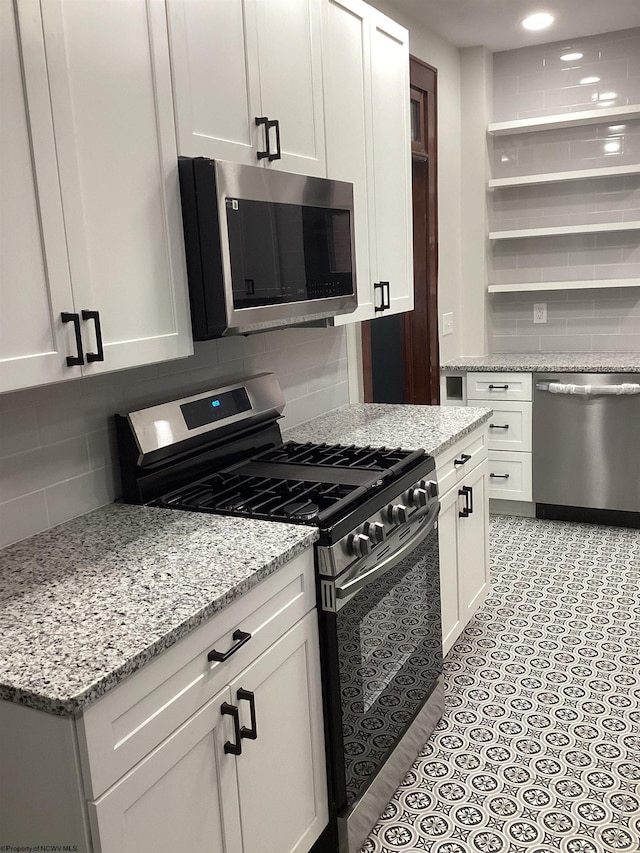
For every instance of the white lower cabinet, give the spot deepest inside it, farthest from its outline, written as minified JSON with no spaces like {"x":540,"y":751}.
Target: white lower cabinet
{"x":193,"y":793}
{"x":166,"y":760}
{"x":463,"y":534}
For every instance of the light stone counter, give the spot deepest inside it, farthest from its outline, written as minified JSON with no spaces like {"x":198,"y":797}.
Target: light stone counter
{"x":87,"y":603}
{"x":433,"y":428}
{"x":548,"y":362}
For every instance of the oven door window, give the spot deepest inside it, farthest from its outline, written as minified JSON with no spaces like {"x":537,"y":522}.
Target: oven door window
{"x":390,"y":656}
{"x":284,"y":253}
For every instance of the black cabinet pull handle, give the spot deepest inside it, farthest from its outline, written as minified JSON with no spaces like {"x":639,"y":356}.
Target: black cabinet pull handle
{"x":386,"y":301}
{"x":263,"y":121}
{"x":72,"y":360}
{"x":498,"y":387}
{"x":274,"y":123}
{"x":464,"y":458}
{"x":241,"y":638}
{"x":232,"y":711}
{"x":499,"y":476}
{"x":95,"y":316}
{"x":464,"y":513}
{"x":498,"y":426}
{"x":376,"y":285}
{"x":468,"y":490}
{"x":250,"y":733}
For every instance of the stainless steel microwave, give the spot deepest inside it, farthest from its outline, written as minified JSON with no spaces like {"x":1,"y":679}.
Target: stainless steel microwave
{"x":264,"y":249}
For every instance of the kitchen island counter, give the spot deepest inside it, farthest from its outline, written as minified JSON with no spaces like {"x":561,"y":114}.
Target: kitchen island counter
{"x":434,"y":428}
{"x":547,"y":362}
{"x":89,"y":602}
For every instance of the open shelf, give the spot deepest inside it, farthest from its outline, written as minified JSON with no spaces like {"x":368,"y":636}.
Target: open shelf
{"x":556,"y":122}
{"x":532,"y":287}
{"x":559,"y":177}
{"x":590,"y":228}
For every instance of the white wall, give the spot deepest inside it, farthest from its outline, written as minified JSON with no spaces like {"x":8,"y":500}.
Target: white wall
{"x":434,"y":50}
{"x":57,"y":448}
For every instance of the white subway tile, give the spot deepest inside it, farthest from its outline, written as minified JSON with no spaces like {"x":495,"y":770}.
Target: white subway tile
{"x":80,"y":495}
{"x":565,"y":343}
{"x":517,"y":343}
{"x":36,"y":469}
{"x":615,"y":343}
{"x":18,"y":431}
{"x":22,"y":517}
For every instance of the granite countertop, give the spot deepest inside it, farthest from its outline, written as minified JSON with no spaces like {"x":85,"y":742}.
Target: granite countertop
{"x":433,"y":428}
{"x":549,"y":362}
{"x":89,"y":602}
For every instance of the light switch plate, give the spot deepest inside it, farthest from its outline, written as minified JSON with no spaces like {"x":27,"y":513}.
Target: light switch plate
{"x":447,"y":324}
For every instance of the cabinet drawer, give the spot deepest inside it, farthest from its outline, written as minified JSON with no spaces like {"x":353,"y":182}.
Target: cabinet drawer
{"x":510,"y":426}
{"x":455,"y":462}
{"x":509,"y":475}
{"x":129,"y":721}
{"x":499,"y":386}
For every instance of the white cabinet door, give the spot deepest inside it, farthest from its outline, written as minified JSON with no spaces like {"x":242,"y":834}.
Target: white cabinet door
{"x":390,"y":225}
{"x":473,"y":544}
{"x":451,"y":603}
{"x":235,"y":61}
{"x":111,"y":97}
{"x":35,"y":286}
{"x":182,"y":796}
{"x":214,"y":56}
{"x":281,"y":774}
{"x":347,"y":107}
{"x":290,"y":68}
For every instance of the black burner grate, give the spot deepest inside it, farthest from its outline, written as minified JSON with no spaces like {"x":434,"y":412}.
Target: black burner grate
{"x":341,"y":456}
{"x":264,"y":497}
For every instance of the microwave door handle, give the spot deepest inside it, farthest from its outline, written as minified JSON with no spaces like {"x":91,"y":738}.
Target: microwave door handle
{"x":346,"y":590}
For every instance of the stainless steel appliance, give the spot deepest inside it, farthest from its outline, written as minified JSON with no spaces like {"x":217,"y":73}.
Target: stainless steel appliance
{"x":264,"y":248}
{"x":376,"y":509}
{"x":586,"y":463}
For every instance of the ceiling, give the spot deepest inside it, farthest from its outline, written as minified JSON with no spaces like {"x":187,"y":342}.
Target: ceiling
{"x":496,"y":23}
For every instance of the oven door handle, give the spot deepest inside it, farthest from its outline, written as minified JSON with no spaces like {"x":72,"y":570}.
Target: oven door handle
{"x":350,"y":587}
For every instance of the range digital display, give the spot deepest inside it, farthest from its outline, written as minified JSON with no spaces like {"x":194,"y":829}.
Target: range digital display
{"x":208,"y":410}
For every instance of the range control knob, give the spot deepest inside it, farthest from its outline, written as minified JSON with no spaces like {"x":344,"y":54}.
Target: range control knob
{"x":397,"y":513}
{"x":431,"y":486}
{"x":359,"y":545}
{"x":375,"y":531}
{"x":418,"y":496}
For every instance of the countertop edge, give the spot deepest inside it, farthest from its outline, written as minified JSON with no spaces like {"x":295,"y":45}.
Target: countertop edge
{"x":482,"y":418}
{"x":76,"y":703}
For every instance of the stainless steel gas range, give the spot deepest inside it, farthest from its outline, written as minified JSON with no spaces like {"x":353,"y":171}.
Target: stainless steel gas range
{"x":376,"y":511}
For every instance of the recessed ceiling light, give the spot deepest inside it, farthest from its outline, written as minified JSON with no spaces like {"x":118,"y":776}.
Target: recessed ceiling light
{"x":617,"y":126}
{"x":608,"y":96}
{"x":570,"y":57}
{"x":606,"y":103}
{"x":586,"y":80}
{"x":539,"y":21}
{"x":612,"y":147}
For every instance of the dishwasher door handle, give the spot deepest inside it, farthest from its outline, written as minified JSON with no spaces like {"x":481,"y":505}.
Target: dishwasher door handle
{"x":620,"y":390}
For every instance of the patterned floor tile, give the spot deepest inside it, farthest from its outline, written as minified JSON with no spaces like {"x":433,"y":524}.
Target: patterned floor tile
{"x":539,"y":747}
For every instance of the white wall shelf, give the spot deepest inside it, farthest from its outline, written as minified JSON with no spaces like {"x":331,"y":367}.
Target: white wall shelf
{"x":590,"y":228}
{"x":557,"y":122}
{"x":560,"y":177}
{"x":534,"y":286}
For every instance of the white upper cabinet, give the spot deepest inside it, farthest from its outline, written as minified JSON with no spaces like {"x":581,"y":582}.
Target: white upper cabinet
{"x":111,"y":97}
{"x":390,"y":164}
{"x":240,"y":60}
{"x":92,"y":274}
{"x":366,"y":89}
{"x":35,"y":286}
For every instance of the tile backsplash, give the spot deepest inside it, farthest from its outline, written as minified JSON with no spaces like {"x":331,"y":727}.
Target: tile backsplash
{"x":577,"y":321}
{"x":57,"y":448}
{"x":533,"y":82}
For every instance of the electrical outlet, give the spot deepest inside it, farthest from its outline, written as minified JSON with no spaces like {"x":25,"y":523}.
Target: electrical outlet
{"x":447,"y":324}
{"x":540,"y":312}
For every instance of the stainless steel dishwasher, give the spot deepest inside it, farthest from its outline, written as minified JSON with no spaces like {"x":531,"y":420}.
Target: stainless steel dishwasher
{"x":586,"y":447}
